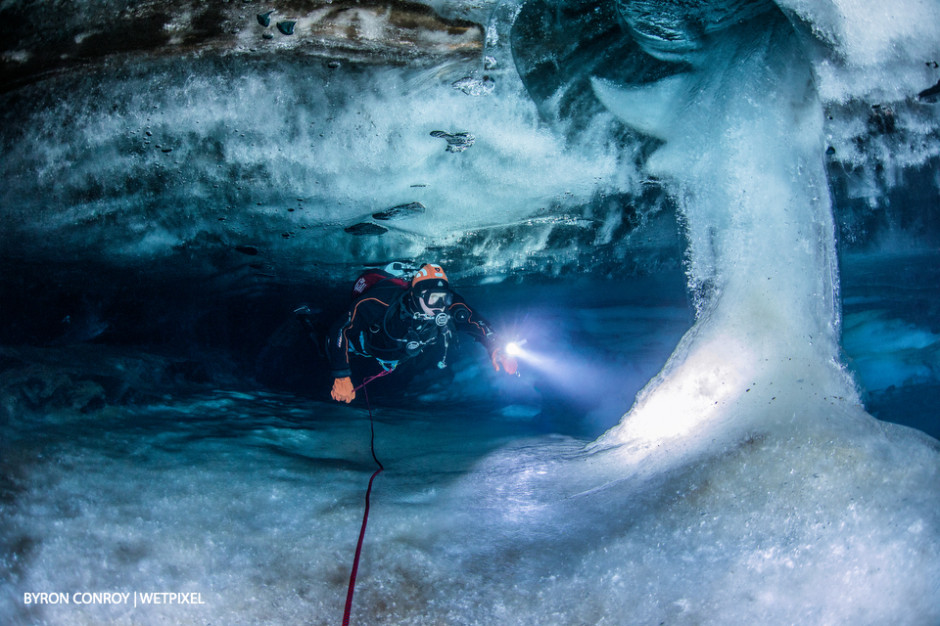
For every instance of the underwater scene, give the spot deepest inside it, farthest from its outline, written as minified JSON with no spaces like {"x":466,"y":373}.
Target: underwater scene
{"x":678,"y":362}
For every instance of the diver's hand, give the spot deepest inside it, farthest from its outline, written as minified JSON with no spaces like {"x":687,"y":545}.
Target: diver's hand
{"x":508,"y":363}
{"x":343,"y":390}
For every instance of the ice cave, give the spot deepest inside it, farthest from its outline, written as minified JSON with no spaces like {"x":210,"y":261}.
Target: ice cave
{"x":713,"y":226}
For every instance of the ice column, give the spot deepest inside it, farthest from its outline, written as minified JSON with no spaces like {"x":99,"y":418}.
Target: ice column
{"x":743,"y":154}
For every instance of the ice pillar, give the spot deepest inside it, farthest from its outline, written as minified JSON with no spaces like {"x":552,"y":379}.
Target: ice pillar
{"x":743,"y":154}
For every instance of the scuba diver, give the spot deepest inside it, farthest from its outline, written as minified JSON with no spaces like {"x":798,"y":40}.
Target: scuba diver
{"x":391,"y":321}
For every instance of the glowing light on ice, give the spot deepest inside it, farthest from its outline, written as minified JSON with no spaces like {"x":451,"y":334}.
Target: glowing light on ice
{"x":694,"y":393}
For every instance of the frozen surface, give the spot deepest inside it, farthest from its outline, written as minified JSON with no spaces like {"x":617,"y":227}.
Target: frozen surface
{"x":254,"y":501}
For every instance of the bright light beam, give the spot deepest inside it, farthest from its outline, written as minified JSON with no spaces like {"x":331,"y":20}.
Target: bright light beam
{"x":514,"y":348}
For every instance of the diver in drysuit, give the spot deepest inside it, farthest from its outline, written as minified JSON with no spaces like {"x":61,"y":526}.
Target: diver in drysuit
{"x":392,"y":321}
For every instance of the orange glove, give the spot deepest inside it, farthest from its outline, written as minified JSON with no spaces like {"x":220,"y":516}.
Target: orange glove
{"x":509,"y":364}
{"x":343,"y":390}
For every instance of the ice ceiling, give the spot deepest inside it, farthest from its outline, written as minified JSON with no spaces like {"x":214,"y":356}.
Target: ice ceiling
{"x":174,"y":130}
{"x":286,"y":141}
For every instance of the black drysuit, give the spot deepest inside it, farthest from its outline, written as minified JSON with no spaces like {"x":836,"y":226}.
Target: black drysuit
{"x":381,"y":324}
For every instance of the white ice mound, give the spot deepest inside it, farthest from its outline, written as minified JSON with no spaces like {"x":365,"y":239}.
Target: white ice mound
{"x":827,"y":517}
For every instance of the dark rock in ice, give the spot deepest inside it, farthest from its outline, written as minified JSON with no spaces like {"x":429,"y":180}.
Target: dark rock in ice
{"x":475,"y":86}
{"x":930,"y":94}
{"x":249,"y":250}
{"x":882,"y":120}
{"x":400,"y":212}
{"x":456,"y":142}
{"x":72,"y":40}
{"x":366,"y":228}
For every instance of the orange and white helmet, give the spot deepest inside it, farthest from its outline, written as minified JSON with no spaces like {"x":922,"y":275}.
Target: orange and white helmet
{"x":430,"y":271}
{"x":430,"y":291}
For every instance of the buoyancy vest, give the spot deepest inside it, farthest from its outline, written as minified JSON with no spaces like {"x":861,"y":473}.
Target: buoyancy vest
{"x":372,"y":277}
